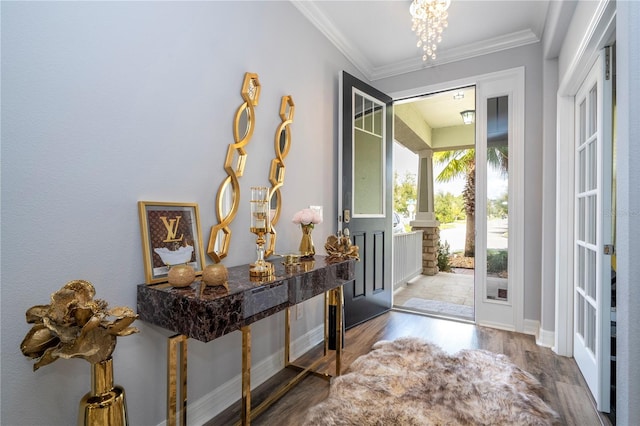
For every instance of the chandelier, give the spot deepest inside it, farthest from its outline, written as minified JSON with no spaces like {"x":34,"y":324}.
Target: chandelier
{"x":429,"y":20}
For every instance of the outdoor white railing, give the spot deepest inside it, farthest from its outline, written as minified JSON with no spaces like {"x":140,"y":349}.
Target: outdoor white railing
{"x":407,"y":257}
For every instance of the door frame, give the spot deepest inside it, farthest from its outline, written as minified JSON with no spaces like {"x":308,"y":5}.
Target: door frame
{"x":514,"y":77}
{"x":601,"y":32}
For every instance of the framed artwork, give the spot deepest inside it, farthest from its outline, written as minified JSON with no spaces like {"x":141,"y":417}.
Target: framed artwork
{"x":170,"y":236}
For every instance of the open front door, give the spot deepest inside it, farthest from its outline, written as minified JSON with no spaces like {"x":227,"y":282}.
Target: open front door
{"x":365,"y":195}
{"x":592,"y":278}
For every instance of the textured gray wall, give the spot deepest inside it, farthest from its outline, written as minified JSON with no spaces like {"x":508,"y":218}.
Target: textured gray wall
{"x":628,"y":214}
{"x":108,"y":103}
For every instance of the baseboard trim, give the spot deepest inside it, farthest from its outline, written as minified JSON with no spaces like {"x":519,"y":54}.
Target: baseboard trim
{"x":497,"y":325}
{"x":220,"y":398}
{"x":531,"y":327}
{"x":546,"y":338}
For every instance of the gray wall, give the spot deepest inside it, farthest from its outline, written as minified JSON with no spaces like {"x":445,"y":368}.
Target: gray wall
{"x":108,"y":103}
{"x":531,"y":58}
{"x":628,"y":225}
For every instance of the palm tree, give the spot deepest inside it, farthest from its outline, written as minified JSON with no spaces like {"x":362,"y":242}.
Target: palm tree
{"x":462,"y":163}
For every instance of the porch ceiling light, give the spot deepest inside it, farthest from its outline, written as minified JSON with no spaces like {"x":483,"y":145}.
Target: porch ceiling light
{"x":468,"y":116}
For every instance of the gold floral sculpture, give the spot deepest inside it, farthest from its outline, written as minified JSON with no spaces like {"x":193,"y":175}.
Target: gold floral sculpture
{"x":75,"y":325}
{"x":339,"y":248}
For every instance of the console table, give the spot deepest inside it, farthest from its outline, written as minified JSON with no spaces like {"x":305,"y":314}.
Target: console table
{"x":206,"y":313}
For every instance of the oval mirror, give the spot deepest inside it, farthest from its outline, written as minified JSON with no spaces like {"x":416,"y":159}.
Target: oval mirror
{"x":282,"y":144}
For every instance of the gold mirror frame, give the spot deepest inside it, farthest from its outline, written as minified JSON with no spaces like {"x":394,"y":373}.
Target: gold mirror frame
{"x":282,"y":144}
{"x":228,"y":197}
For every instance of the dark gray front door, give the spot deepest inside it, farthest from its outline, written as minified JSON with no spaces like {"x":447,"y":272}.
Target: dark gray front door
{"x":366,"y":195}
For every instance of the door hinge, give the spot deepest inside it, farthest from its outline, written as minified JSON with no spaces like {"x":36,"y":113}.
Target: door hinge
{"x":609,"y":249}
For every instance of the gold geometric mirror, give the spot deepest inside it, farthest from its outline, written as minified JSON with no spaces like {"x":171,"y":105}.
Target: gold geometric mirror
{"x":282,"y":144}
{"x":228,"y":197}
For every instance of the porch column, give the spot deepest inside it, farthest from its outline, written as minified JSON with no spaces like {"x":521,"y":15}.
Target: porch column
{"x":425,"y":219}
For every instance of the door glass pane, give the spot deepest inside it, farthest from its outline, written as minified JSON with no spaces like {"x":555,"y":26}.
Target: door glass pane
{"x":582,"y":125}
{"x":591,"y":274}
{"x":582,"y":161}
{"x":592,"y":171}
{"x":581,"y":267}
{"x":498,"y":198}
{"x":590,"y":331}
{"x":593,"y":109}
{"x":581,"y":218}
{"x":368,"y":157}
{"x":591,"y":219}
{"x":580,"y":315}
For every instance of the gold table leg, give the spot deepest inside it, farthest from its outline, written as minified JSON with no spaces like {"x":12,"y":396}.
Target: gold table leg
{"x":287,"y":337}
{"x":246,"y":376}
{"x":172,"y":379}
{"x":340,"y":303}
{"x":327,"y":302}
{"x":335,"y":297}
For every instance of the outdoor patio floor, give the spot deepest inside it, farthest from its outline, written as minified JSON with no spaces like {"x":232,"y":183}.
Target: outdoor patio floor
{"x":444,"y":294}
{"x":451,"y":288}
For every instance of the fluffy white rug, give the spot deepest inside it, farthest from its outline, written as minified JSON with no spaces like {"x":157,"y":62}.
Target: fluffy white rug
{"x":412,"y":382}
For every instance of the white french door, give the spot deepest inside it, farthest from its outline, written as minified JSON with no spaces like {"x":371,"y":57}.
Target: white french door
{"x":592,"y":267}
{"x":499,"y":299}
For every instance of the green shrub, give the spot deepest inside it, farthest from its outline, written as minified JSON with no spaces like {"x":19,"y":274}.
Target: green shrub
{"x":443,"y":257}
{"x":497,"y":261}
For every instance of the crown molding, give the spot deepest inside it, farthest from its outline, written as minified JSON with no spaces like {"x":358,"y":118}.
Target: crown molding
{"x":479,"y":48}
{"x":326,"y":27}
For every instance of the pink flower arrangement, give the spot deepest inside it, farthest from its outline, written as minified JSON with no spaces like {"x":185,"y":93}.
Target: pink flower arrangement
{"x":307,"y":217}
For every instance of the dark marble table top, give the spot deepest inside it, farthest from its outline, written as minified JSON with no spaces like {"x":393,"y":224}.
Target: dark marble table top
{"x":214,"y":312}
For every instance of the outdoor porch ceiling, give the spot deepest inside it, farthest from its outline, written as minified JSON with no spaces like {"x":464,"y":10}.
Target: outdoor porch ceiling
{"x":434,"y":121}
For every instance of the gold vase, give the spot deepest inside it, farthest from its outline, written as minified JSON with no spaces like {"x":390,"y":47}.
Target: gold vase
{"x":306,"y":249}
{"x":105,"y":405}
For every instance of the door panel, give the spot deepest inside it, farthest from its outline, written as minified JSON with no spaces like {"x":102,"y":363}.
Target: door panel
{"x":592,"y":290}
{"x":499,"y":266}
{"x":365,"y":195}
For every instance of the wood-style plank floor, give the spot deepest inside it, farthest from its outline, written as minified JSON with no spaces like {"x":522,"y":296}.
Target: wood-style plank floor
{"x":564,"y":387}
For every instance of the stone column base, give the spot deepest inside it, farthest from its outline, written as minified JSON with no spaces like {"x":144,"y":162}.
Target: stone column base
{"x":430,"y":239}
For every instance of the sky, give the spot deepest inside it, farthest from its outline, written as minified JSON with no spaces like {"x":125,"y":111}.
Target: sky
{"x":406,"y":161}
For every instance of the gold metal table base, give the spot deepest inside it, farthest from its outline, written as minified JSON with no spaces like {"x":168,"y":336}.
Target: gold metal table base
{"x":247,"y":413}
{"x":333,"y":296}
{"x":174,"y":342}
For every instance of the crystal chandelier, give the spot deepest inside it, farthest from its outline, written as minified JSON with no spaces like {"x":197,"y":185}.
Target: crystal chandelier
{"x":429,"y":20}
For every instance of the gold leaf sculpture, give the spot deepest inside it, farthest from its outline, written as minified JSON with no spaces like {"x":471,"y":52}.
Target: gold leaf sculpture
{"x":340,"y":248}
{"x":75,"y":325}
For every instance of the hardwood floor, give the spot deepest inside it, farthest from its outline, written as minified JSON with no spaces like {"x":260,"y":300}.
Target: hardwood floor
{"x":564,"y":387}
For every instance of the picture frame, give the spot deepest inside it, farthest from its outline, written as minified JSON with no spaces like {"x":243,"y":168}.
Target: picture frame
{"x":170,"y":232}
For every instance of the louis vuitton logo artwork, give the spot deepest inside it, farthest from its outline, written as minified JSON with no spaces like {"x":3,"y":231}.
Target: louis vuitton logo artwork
{"x":172,"y":229}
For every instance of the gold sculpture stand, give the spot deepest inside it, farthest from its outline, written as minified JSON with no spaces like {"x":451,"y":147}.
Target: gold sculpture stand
{"x":333,"y":297}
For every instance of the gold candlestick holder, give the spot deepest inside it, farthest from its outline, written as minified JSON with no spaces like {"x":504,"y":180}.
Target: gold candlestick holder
{"x":260,"y":225}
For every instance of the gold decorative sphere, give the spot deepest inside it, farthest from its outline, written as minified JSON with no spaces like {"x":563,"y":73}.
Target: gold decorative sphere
{"x":214,"y":275}
{"x":181,"y":275}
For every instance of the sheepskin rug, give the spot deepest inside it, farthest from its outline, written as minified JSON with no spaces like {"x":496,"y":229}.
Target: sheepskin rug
{"x":412,"y":382}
